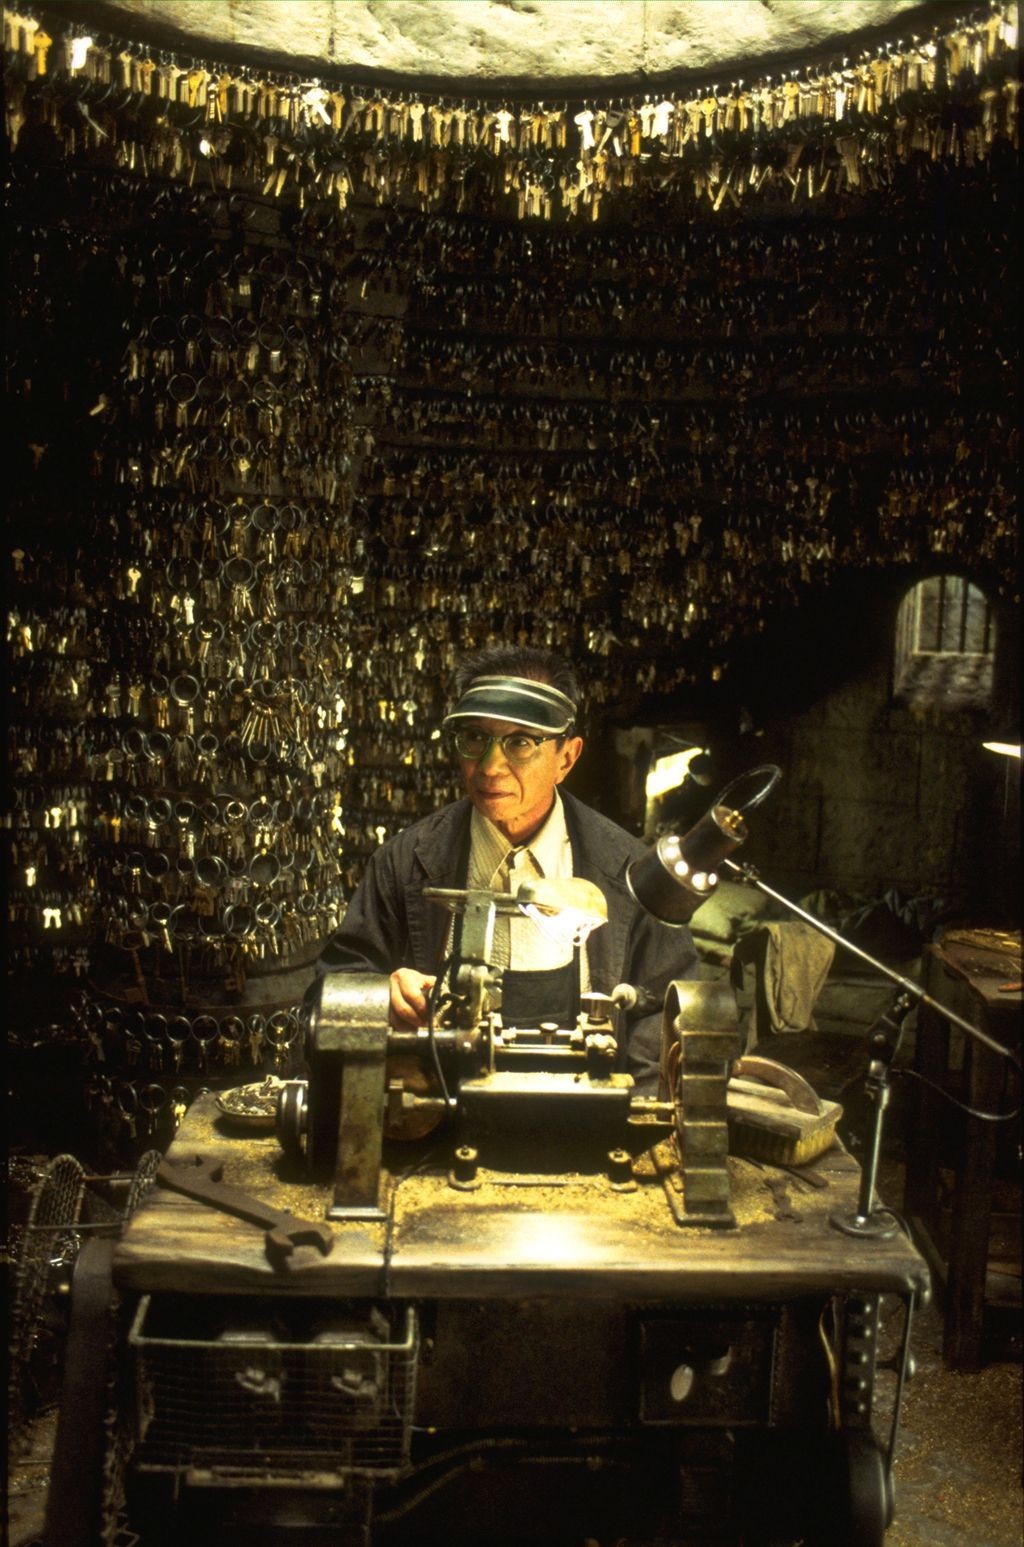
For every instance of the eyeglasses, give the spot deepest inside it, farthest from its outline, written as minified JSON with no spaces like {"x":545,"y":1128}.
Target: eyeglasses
{"x":516,"y":746}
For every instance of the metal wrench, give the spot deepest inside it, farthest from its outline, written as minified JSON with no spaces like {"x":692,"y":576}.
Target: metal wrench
{"x":200,"y":1178}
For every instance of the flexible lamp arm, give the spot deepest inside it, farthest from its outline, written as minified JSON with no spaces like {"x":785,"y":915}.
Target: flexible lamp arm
{"x":749,"y":875}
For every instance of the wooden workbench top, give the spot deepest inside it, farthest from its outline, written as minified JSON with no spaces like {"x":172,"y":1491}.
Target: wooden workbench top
{"x":988,"y":961}
{"x":544,"y":1237}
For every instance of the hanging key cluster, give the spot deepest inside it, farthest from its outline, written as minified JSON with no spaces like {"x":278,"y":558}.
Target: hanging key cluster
{"x":737,"y":417}
{"x":235,"y":723}
{"x":828,"y":128}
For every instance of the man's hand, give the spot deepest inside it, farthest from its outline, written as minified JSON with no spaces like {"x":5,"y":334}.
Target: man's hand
{"x":409,"y":990}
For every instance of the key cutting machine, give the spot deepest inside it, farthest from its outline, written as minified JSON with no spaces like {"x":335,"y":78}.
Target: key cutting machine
{"x":476,"y":1289}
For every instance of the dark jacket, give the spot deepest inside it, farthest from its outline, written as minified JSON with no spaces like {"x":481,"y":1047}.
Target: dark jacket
{"x":389,"y":924}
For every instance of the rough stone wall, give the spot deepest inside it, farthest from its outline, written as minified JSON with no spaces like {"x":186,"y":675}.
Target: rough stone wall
{"x":509,"y":40}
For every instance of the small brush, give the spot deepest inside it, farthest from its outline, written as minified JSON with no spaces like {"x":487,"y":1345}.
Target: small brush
{"x":775,"y":1116}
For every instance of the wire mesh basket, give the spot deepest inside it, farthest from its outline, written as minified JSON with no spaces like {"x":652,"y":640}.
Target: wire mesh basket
{"x":275,"y":1388}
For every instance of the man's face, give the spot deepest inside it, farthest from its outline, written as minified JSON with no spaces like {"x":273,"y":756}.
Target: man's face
{"x":516,"y":797}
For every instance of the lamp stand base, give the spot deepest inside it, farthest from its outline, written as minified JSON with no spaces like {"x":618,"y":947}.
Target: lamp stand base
{"x":877,"y":1227}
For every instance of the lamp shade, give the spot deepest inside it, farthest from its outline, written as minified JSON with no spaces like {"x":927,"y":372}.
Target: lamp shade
{"x":680,"y":874}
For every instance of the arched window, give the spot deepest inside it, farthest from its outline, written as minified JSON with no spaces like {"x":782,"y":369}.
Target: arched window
{"x":945,"y":638}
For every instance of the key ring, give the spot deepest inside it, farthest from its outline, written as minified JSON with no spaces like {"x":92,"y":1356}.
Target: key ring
{"x":264,"y":868}
{"x":191,"y":328}
{"x":163,"y":331}
{"x":158,"y":745}
{"x":281,"y":1028}
{"x":187,"y":815}
{"x":264,"y":393}
{"x":154,"y":1028}
{"x":183,"y":924}
{"x":262,"y":632}
{"x":240,"y":572}
{"x":211,"y":871}
{"x":184,"y":689}
{"x":181,"y":388}
{"x":158,"y":811}
{"x":205,"y":1030}
{"x":126,"y":1089}
{"x":152,"y":1099}
{"x":211,"y":390}
{"x":183,"y":574}
{"x":239,"y":920}
{"x":179,"y":1030}
{"x":232,"y":1030}
{"x":220,"y":332}
{"x":268,"y":915}
{"x":266,"y":518}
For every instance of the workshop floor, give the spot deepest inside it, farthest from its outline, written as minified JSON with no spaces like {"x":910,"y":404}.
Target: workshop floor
{"x":958,"y":1467}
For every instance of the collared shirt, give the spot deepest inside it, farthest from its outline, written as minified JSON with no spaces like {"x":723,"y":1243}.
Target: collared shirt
{"x":495,"y":865}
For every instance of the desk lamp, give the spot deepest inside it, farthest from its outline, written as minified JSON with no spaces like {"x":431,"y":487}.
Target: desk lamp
{"x":680,"y":874}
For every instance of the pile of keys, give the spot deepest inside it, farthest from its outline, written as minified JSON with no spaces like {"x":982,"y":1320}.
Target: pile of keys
{"x":836,"y":126}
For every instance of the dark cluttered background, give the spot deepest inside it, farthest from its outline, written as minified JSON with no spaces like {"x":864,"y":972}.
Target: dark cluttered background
{"x":294,"y":418}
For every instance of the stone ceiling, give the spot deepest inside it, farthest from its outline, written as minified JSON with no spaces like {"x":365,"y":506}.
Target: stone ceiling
{"x":520,"y":41}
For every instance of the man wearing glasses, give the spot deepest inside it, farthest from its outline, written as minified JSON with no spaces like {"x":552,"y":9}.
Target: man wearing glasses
{"x":513,"y":732}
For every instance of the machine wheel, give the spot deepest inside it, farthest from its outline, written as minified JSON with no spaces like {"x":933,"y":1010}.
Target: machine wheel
{"x":868,"y":1489}
{"x":822,"y":1490}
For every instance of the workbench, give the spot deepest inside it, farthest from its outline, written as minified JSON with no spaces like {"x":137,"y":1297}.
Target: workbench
{"x":950,"y":1152}
{"x":555,"y":1312}
{"x":514,"y":1234}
